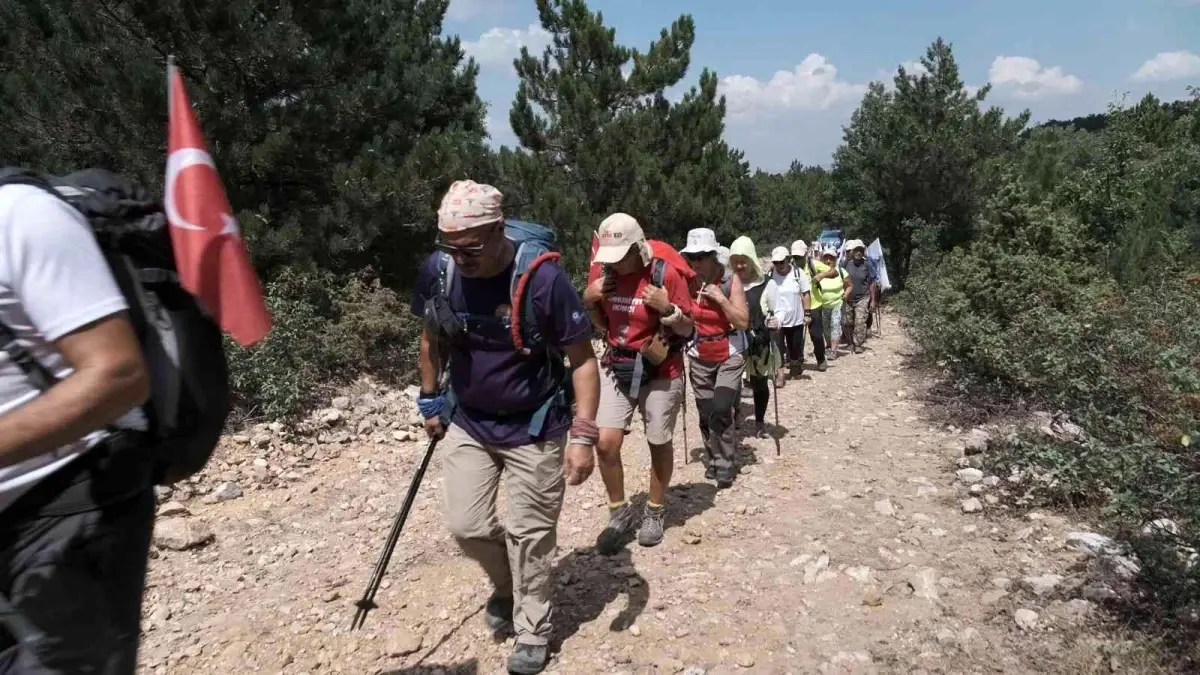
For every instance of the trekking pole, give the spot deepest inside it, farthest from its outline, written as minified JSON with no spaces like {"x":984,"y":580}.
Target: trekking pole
{"x":775,"y":391}
{"x":367,"y":603}
{"x":687,"y":449}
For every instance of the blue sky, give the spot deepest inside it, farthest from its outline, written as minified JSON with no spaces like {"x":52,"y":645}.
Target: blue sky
{"x":793,"y":71}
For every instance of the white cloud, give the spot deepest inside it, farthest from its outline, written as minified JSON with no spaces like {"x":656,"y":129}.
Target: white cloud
{"x":811,"y":85}
{"x":1027,"y":79}
{"x":1169,"y":66}
{"x":501,"y":45}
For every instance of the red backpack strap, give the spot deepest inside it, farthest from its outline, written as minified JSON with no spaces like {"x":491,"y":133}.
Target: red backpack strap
{"x":517,"y":315}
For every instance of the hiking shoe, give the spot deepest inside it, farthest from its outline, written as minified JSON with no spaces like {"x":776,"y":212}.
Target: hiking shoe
{"x":780,"y":380}
{"x":498,"y":614}
{"x":823,"y":366}
{"x":620,"y":525}
{"x":651,"y":532}
{"x":725,"y":478}
{"x":710,"y":473}
{"x":760,"y":430}
{"x":528,"y":659}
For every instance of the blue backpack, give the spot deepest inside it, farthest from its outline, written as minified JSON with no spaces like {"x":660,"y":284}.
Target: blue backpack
{"x":535,"y":244}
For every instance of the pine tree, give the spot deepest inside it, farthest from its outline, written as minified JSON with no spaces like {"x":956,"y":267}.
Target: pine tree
{"x":594,"y":120}
{"x":335,"y":126}
{"x":923,"y":153}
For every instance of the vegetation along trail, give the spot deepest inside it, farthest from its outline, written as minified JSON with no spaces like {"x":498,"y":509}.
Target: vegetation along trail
{"x":857,"y":549}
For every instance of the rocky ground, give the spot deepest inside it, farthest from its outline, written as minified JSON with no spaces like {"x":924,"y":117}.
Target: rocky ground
{"x":868,"y":542}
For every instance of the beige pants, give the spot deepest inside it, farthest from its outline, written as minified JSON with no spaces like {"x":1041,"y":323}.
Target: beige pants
{"x":518,"y":559}
{"x":658,"y":400}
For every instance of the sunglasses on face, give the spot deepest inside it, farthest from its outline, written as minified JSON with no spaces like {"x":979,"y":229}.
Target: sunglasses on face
{"x":692,"y":257}
{"x":472,"y":251}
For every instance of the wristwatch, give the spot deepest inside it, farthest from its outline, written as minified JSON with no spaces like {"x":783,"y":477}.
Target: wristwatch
{"x":671,"y":310}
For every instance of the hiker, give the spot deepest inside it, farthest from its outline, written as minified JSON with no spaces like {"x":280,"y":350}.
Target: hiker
{"x":715,"y":355}
{"x":507,"y":412}
{"x":644,"y":306}
{"x":831,"y":282}
{"x":785,"y":302}
{"x":807,"y":267}
{"x":76,"y":497}
{"x":761,"y":355}
{"x":859,"y":296}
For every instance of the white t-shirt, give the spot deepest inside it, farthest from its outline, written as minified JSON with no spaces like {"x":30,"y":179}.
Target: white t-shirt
{"x":783,"y":296}
{"x":53,"y":280}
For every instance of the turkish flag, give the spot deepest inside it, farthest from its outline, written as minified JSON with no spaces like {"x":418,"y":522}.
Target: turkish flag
{"x":210,"y":255}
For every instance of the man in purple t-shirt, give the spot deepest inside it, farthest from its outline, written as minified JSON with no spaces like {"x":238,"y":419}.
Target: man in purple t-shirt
{"x":497,"y":391}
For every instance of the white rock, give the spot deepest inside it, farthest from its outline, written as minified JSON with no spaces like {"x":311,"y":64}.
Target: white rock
{"x":971,"y":505}
{"x":813,"y":569}
{"x":1092,"y":543}
{"x":991,"y":481}
{"x":341,"y":402}
{"x":926,"y":491}
{"x":884,"y":507}
{"x":180,"y":534}
{"x":1041,"y":585}
{"x":924,"y":583}
{"x":223,"y":493}
{"x":1026,"y":619}
{"x":1163,"y":526}
{"x":970,"y":476}
{"x":977,"y":442}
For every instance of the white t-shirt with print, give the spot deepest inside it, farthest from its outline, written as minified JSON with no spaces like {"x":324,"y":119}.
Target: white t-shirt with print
{"x":783,"y":296}
{"x":53,"y":280}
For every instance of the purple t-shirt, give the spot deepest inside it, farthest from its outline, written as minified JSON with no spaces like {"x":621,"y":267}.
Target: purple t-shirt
{"x":498,"y":389}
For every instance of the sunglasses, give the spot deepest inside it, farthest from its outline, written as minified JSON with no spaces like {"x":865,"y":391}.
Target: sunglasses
{"x":697,"y":256}
{"x":473,"y":251}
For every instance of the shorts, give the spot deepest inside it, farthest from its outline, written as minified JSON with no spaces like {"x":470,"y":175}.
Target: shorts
{"x":659,"y":402}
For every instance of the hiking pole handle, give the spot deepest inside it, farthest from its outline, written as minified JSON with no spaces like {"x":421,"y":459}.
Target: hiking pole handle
{"x":367,"y":603}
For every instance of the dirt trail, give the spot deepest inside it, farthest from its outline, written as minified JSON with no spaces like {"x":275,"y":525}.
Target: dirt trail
{"x":851,"y":551}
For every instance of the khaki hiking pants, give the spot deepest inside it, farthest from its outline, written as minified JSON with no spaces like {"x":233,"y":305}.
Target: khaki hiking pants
{"x":518,"y":559}
{"x":718,"y":388}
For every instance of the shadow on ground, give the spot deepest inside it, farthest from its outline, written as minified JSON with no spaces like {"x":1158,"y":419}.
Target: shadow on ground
{"x":587,"y":583}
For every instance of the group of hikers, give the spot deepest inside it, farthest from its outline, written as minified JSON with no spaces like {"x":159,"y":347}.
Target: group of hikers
{"x":511,"y":388}
{"x":512,"y":409}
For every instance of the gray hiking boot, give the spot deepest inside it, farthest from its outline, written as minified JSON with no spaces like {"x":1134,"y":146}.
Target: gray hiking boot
{"x":823,"y":366}
{"x":651,"y":532}
{"x":528,"y":659}
{"x":725,"y":478}
{"x":498,"y":614}
{"x":616,"y":533}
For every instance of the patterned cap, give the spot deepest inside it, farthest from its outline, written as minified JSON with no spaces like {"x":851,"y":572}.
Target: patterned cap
{"x":468,"y":204}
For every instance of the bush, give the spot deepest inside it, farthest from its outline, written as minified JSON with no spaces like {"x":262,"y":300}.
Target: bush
{"x":327,"y":330}
{"x":1031,"y":311}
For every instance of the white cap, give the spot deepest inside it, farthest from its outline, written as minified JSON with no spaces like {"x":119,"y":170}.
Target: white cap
{"x":779,"y":254}
{"x":700,"y":240}
{"x":799,"y":248}
{"x":853,"y":244}
{"x":617,"y":233}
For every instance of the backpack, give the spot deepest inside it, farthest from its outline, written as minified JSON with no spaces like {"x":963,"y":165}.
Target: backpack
{"x":535,"y":244}
{"x":181,"y":344}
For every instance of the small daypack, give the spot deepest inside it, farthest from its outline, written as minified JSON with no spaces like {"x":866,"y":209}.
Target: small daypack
{"x":535,"y":244}
{"x":181,"y":344}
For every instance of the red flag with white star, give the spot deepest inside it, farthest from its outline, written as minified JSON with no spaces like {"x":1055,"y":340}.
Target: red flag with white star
{"x":210,"y":255}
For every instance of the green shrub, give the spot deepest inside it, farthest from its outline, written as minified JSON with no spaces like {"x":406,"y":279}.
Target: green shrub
{"x":1031,"y":310}
{"x":327,"y":330}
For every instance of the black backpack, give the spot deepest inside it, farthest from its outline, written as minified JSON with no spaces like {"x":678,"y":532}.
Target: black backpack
{"x":181,"y":344}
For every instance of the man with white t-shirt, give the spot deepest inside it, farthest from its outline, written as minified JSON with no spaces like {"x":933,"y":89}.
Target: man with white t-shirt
{"x":76,"y":497}
{"x":785,"y":302}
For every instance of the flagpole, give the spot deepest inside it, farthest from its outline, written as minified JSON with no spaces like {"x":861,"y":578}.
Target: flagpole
{"x":170,"y":70}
